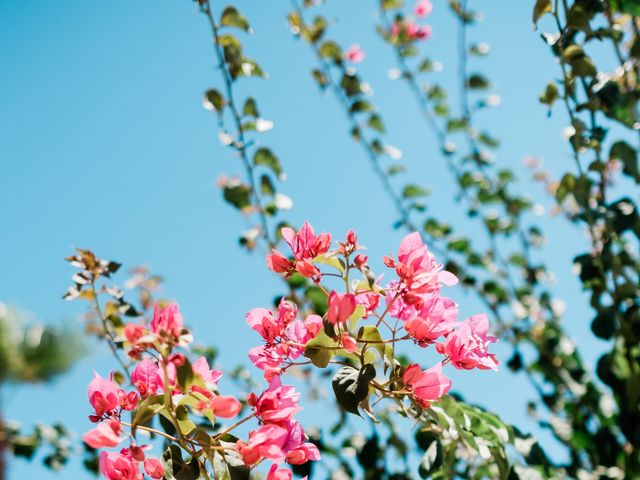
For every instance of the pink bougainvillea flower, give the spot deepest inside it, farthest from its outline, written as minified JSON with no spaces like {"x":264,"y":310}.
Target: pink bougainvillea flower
{"x":423,"y":8}
{"x":360,"y":260}
{"x":266,"y":442}
{"x":296,"y":448}
{"x":354,"y":54}
{"x":278,"y":263}
{"x":437,"y":318}
{"x":106,"y":434}
{"x":341,"y":306}
{"x":167,"y":320}
{"x":276,"y":473}
{"x":119,"y":466}
{"x":267,"y":360}
{"x":154,"y":468}
{"x":133,"y":332}
{"x":423,"y":32}
{"x":305,"y":244}
{"x":349,"y":343}
{"x":127,"y":401}
{"x":271,"y":326}
{"x":468,"y":346}
{"x":277,"y":404}
{"x":427,"y":385}
{"x":418,"y":270}
{"x":103,"y":396}
{"x":264,"y":322}
{"x":146,"y":377}
{"x":209,"y":377}
{"x":225,"y":406}
{"x":370,"y":301}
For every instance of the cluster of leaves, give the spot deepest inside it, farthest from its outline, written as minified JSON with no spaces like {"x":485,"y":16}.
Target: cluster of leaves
{"x":33,"y":353}
{"x":238,"y":122}
{"x":602,"y":107}
{"x":55,"y":440}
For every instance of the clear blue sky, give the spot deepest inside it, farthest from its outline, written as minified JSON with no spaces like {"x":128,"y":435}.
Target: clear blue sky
{"x":105,"y":144}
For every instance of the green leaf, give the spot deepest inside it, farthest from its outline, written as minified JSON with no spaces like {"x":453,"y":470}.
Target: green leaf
{"x":147,"y":410}
{"x":181,"y":470}
{"x":331,"y":49}
{"x":432,"y":458}
{"x":370,"y":333}
{"x":214,"y":99}
{"x":541,"y":8}
{"x":477,"y":81}
{"x":320,"y":357}
{"x":267,"y":158}
{"x":375,"y":122}
{"x":550,"y":94}
{"x":186,"y":425}
{"x":185,"y":375}
{"x":626,"y":154}
{"x":238,"y":195}
{"x":351,"y":386}
{"x":266,"y":186}
{"x":414,"y":191}
{"x":231,"y":17}
{"x":250,"y":108}
{"x":395,"y":169}
{"x":334,"y":262}
{"x":361,"y":106}
{"x":392,"y":4}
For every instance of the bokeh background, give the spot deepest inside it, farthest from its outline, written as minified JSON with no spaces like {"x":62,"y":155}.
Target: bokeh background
{"x":104,"y":144}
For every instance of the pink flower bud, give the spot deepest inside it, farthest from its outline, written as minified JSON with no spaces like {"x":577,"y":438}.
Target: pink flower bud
{"x":103,"y":395}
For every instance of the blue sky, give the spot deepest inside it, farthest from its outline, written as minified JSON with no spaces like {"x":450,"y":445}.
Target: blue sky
{"x":105,"y":145}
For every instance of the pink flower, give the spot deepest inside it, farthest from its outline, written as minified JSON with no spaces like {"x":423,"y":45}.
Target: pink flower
{"x":262,"y":321}
{"x":423,"y":8}
{"x":354,"y":54}
{"x":103,"y":396}
{"x":370,"y":300}
{"x":133,"y":332}
{"x":146,"y":377}
{"x":278,"y":263}
{"x":267,"y":360}
{"x":467,"y":347}
{"x":167,"y":320}
{"x":428,"y":386}
{"x":305,"y":245}
{"x":424,"y":32}
{"x":349,"y":343}
{"x":266,"y":442}
{"x":209,"y":377}
{"x":277,"y":404}
{"x":225,"y":406}
{"x":154,"y":468}
{"x":341,"y":306}
{"x":360,"y":261}
{"x":127,"y":401}
{"x":418,"y":270}
{"x":119,"y":466}
{"x":276,"y":473}
{"x":436,"y":318}
{"x":106,"y":434}
{"x":297,"y":449}
{"x":269,"y":326}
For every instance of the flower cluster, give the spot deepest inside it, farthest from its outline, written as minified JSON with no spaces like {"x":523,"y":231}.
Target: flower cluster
{"x":356,"y":327}
{"x":413,"y":298}
{"x":406,"y":29}
{"x":165,"y":382}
